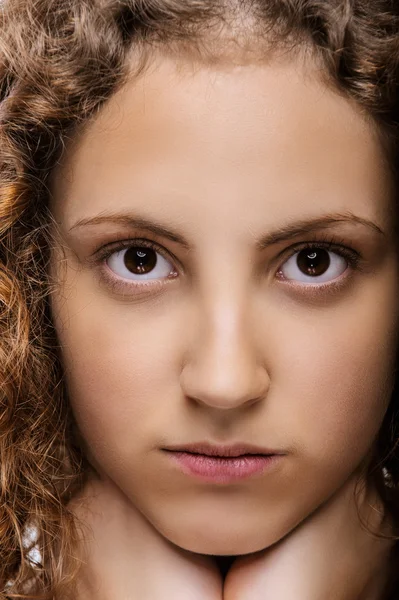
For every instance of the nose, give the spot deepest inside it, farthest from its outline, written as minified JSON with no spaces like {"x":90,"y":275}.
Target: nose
{"x":223,"y":367}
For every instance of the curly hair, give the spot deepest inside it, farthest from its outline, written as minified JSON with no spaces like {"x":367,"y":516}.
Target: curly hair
{"x":60,"y":60}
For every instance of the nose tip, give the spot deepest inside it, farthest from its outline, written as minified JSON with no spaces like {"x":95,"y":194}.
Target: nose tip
{"x":225,"y":384}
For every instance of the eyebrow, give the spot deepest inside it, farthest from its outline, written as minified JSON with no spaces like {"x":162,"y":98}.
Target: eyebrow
{"x":296,"y":228}
{"x":283,"y":233}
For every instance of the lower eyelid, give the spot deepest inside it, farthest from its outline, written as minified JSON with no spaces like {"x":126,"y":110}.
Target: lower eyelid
{"x":319,"y":291}
{"x":129,"y":286}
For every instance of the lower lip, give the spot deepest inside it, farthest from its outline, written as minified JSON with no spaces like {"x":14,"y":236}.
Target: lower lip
{"x":222,"y":469}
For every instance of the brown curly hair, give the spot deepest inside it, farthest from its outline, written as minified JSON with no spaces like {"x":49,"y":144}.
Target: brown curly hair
{"x":60,"y":60}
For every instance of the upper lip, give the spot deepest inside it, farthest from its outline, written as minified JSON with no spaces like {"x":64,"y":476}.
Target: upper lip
{"x":208,"y":449}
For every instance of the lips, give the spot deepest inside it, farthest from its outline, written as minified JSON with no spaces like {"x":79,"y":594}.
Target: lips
{"x":233,"y":450}
{"x":235,"y":464}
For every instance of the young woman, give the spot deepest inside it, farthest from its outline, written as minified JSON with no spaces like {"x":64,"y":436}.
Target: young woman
{"x":199,"y":299}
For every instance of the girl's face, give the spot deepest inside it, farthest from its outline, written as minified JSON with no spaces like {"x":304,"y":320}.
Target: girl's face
{"x":228,"y":275}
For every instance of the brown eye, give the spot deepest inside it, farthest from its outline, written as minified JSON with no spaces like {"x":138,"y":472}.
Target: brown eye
{"x":313,"y":261}
{"x":138,"y":263}
{"x":314,"y":265}
{"x":140,"y":260}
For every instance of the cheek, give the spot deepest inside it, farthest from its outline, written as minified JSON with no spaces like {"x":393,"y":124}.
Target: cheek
{"x":119,"y":368}
{"x":336,"y":390}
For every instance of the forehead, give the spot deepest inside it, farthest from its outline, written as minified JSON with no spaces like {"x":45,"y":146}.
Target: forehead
{"x":271,"y":138}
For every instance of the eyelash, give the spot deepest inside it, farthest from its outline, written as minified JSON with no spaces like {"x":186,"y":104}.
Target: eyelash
{"x":119,"y":285}
{"x":335,"y":245}
{"x":352,"y":257}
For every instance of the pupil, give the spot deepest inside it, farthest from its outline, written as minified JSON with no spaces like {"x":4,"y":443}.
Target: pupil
{"x":140,"y":260}
{"x":313,"y":262}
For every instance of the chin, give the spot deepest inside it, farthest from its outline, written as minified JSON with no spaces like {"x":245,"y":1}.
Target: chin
{"x":213,"y":541}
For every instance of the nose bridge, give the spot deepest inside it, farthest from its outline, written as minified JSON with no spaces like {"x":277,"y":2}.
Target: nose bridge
{"x":224,"y":367}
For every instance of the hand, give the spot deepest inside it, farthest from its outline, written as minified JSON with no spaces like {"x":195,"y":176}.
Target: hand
{"x":329,"y":556}
{"x":167,"y":571}
{"x":171,"y":572}
{"x":125,"y":557}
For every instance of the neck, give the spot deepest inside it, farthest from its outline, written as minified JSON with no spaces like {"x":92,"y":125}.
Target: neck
{"x":381,"y":577}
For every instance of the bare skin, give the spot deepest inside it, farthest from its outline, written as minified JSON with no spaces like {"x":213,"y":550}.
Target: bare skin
{"x":149,"y":567}
{"x":225,"y":339}
{"x":328,"y":557}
